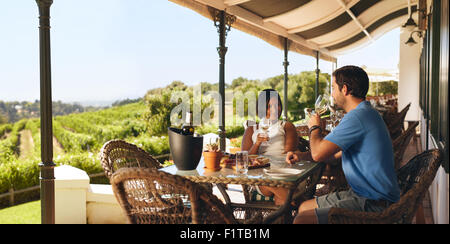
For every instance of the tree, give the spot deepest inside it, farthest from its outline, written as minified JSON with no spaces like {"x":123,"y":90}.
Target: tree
{"x":3,"y":119}
{"x":383,"y":88}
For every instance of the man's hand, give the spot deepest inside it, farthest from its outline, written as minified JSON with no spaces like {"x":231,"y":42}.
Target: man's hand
{"x":292,"y":157}
{"x":314,"y":120}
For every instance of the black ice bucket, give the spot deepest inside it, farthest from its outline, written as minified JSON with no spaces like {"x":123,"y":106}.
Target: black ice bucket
{"x":186,"y":151}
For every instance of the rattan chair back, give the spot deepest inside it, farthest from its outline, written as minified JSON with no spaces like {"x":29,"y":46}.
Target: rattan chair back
{"x":414,"y":180}
{"x":150,"y":196}
{"x":394,"y":122}
{"x":401,"y":143}
{"x":117,"y":154}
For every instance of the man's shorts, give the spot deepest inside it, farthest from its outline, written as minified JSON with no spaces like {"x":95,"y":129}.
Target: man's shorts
{"x":345,"y":199}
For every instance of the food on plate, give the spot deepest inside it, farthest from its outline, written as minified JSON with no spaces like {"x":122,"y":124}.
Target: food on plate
{"x":252,"y":157}
{"x":258,"y":161}
{"x":227,"y":162}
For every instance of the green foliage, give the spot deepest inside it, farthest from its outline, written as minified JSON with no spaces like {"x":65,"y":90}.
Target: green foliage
{"x":8,"y":146}
{"x":14,"y":111}
{"x":383,"y":88}
{"x":300,"y":90}
{"x":155,"y":145}
{"x":158,"y":112}
{"x":143,"y":123}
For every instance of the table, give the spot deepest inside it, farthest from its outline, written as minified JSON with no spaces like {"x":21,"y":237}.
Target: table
{"x":255,"y":177}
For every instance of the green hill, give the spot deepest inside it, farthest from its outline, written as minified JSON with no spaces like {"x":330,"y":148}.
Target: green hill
{"x":78,"y":139}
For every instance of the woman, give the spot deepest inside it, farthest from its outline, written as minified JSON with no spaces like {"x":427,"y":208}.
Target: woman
{"x":282,"y":137}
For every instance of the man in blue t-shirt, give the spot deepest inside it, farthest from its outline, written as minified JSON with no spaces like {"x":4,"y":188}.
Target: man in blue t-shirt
{"x":362,"y":141}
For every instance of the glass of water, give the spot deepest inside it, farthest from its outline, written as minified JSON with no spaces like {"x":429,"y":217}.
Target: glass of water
{"x":242,"y":162}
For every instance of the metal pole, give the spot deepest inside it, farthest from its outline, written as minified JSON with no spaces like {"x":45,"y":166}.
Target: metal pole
{"x":333,"y":68}
{"x":285,"y":64}
{"x":316,"y":88}
{"x":47,"y":165}
{"x":222,"y":49}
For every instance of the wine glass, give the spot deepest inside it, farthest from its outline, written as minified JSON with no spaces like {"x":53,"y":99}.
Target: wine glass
{"x":322,"y":103}
{"x":333,"y":118}
{"x":308,"y":112}
{"x":265,"y":125}
{"x":339,"y":115}
{"x":242,"y":162}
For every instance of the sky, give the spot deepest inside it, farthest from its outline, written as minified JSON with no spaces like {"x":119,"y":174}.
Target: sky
{"x":107,"y":50}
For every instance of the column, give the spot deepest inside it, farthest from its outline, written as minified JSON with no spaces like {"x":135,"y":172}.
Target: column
{"x":47,"y":165}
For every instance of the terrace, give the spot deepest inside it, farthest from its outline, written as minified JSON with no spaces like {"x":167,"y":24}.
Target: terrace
{"x":323,"y":29}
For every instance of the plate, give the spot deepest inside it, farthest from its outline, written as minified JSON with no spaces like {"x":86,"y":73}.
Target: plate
{"x":283,"y":172}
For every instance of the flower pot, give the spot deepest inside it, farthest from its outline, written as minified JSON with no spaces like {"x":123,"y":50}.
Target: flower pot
{"x":186,"y":150}
{"x":212,"y":160}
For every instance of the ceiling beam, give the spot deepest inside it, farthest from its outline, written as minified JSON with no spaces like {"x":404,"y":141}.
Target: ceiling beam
{"x":349,"y":12}
{"x":234,"y":2}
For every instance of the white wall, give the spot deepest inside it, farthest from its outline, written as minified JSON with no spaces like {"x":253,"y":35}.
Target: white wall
{"x":409,"y":76}
{"x":78,"y":202}
{"x":439,"y":191}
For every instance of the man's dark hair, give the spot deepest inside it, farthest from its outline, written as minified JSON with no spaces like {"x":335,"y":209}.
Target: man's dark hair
{"x":355,"y":78}
{"x":263,"y":102}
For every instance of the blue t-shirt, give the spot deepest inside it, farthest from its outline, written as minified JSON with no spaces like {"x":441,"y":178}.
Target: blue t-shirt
{"x":367,"y":154}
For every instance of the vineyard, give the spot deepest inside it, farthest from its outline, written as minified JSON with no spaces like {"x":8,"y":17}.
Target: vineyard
{"x":78,"y":137}
{"x":77,"y":141}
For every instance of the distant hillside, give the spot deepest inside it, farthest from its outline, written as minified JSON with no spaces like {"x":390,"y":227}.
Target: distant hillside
{"x":11,"y":112}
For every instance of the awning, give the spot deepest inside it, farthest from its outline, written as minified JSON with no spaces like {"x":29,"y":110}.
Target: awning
{"x":332,"y":27}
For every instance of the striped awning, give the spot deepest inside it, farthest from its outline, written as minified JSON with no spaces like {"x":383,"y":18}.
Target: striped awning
{"x":332,"y":27}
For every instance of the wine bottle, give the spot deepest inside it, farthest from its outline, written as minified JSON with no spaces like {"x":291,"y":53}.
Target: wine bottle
{"x":187,"y":128}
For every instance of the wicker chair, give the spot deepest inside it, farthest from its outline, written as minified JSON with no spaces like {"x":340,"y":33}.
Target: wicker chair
{"x":302,"y":130}
{"x":414,"y":180}
{"x":401,"y":143}
{"x":117,"y":154}
{"x":150,"y":196}
{"x":394,"y":122}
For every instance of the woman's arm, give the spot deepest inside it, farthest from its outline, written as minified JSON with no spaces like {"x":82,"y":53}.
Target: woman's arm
{"x":291,"y":140}
{"x":247,"y":142}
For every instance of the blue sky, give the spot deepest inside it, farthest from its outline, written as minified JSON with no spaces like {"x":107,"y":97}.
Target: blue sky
{"x":117,"y":49}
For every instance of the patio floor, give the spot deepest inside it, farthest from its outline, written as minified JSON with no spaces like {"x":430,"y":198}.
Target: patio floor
{"x":235,"y":191}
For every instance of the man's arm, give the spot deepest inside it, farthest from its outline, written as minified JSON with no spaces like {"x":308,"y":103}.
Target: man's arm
{"x":321,"y":150}
{"x":296,"y":156}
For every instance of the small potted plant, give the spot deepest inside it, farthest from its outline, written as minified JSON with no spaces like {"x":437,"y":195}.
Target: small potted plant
{"x":235,"y":145}
{"x":212,"y":156}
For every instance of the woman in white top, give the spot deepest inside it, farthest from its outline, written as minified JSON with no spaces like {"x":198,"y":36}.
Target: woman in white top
{"x":282,"y":136}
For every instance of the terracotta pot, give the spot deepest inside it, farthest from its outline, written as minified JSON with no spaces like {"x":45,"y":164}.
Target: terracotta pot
{"x":212,"y":160}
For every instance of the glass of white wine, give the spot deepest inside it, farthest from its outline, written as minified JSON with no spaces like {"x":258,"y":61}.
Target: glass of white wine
{"x":265,"y":125}
{"x":321,"y":105}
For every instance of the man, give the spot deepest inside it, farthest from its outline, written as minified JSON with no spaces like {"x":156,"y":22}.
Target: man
{"x":363,"y":142}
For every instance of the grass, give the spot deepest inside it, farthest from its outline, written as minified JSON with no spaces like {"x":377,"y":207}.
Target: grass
{"x":27,"y":213}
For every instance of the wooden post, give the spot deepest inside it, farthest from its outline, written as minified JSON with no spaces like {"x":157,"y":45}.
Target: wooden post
{"x":11,"y":196}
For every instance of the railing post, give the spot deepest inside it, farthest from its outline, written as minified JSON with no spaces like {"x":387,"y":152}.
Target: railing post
{"x":47,"y":165}
{"x":11,"y":196}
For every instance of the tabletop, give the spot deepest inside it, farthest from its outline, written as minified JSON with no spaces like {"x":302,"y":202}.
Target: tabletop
{"x":253,"y":177}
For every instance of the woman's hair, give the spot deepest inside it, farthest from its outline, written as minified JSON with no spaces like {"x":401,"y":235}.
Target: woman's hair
{"x":263,"y":102}
{"x":355,"y":78}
